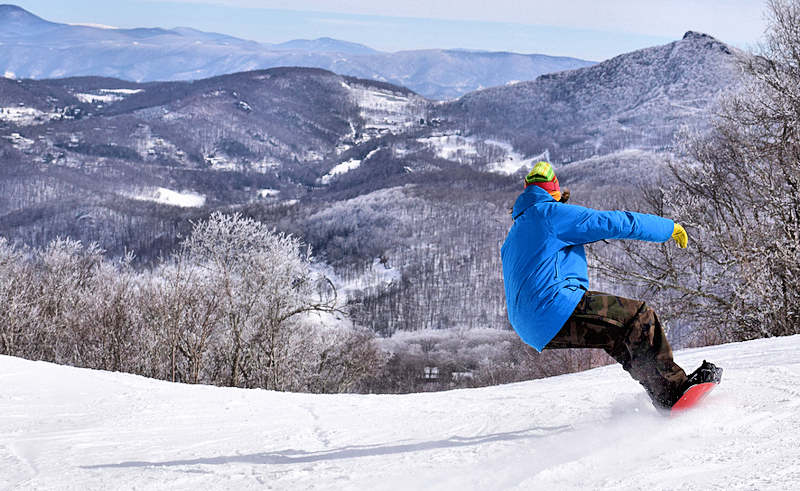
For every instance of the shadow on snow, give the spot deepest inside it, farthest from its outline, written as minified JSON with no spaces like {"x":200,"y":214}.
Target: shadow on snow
{"x":292,"y":456}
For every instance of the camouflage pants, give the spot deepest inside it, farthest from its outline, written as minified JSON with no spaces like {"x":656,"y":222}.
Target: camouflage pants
{"x":629,"y":331}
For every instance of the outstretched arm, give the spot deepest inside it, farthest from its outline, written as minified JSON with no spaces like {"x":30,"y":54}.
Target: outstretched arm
{"x":579,"y":225}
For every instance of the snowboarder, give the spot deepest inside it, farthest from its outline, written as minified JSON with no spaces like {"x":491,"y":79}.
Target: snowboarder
{"x":547,"y":286}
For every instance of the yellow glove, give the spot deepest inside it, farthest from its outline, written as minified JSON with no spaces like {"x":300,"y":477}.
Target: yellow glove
{"x":680,"y":236}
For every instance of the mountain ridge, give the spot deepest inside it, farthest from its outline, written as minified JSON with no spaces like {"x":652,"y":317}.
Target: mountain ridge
{"x":679,"y":79}
{"x":18,"y":21}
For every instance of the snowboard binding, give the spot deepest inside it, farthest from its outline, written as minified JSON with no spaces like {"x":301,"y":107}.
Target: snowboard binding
{"x":699,"y":384}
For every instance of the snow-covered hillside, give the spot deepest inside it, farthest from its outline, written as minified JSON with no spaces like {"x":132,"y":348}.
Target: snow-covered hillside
{"x":67,"y":428}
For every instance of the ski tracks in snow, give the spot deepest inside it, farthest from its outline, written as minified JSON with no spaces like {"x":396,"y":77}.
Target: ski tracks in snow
{"x":66,"y":428}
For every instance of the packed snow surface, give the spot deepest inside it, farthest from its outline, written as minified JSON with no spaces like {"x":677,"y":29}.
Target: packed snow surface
{"x":25,"y":116}
{"x":69,"y":428}
{"x":340,"y":169}
{"x":346,"y":167}
{"x":92,"y":98}
{"x":450,"y":147}
{"x":164,"y":196}
{"x":19,"y":141}
{"x":106,"y":95}
{"x":268,"y":193}
{"x":462,"y":149}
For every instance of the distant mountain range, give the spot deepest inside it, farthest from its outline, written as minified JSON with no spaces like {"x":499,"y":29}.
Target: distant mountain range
{"x":31,"y":47}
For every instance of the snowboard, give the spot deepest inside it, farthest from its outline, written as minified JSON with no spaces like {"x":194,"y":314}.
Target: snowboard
{"x":692,"y":397}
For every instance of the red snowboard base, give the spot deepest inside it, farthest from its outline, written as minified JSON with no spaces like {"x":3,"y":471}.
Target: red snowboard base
{"x":692,"y":397}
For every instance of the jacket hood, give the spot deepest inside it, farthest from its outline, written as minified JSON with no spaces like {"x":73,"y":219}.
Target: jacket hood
{"x":529,"y":197}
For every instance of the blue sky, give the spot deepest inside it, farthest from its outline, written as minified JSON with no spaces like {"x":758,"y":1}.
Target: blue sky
{"x":588,"y":29}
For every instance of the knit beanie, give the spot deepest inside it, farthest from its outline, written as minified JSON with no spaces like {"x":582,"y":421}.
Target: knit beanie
{"x":544,"y":176}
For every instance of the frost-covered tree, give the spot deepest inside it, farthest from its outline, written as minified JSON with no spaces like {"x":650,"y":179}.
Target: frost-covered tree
{"x":109,"y":323}
{"x":263,"y":282}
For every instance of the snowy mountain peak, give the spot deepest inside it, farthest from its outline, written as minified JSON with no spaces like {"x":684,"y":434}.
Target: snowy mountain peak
{"x":6,"y":9}
{"x":57,"y":50}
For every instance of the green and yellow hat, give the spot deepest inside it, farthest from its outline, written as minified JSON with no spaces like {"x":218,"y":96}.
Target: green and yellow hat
{"x":543,"y":176}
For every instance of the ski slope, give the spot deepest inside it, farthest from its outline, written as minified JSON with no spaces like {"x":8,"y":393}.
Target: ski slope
{"x":68,"y":428}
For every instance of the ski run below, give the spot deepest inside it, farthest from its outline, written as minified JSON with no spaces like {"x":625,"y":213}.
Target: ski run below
{"x":69,"y":428}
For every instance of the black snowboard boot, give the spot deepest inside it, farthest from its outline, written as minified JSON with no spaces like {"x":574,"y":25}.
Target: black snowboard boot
{"x":706,"y":372}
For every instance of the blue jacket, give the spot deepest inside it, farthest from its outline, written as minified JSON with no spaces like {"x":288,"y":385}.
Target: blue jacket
{"x":544,"y":264}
